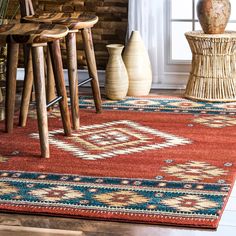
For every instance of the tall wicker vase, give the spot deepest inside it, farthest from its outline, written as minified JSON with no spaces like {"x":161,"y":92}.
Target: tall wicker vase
{"x":138,"y":66}
{"x":116,"y":85}
{"x":213,"y":15}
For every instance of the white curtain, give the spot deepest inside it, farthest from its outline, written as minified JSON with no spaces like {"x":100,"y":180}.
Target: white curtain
{"x":146,"y":16}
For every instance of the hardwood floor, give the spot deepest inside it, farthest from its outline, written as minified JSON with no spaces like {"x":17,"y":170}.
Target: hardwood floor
{"x":26,"y":225}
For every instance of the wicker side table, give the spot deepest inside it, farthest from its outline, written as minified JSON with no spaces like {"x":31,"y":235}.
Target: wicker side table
{"x":213,"y":74}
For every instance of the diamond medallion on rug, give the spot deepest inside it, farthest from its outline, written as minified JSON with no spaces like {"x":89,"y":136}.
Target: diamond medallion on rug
{"x":125,"y":165}
{"x":113,"y":139}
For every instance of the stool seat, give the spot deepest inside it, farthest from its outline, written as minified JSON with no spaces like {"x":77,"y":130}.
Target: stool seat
{"x":34,"y":37}
{"x":74,"y":21}
{"x":77,"y":23}
{"x":31,"y":33}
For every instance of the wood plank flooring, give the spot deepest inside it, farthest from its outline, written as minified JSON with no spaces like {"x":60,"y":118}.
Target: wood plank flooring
{"x":27,"y":225}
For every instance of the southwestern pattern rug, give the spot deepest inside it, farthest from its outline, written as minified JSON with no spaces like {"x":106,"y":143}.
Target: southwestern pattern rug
{"x":157,"y":103}
{"x":145,"y":166}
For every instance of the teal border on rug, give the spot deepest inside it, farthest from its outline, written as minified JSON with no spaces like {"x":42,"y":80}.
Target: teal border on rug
{"x":162,"y":104}
{"x":129,"y":196}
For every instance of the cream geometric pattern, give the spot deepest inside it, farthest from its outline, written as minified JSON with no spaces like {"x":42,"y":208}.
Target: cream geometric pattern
{"x":185,"y":104}
{"x":189,"y":203}
{"x":194,"y":171}
{"x":6,"y":188}
{"x":143,"y":102}
{"x":216,"y":121}
{"x":109,"y":138}
{"x":3,"y":159}
{"x":113,"y":139}
{"x":58,"y":193}
{"x":121,"y":198}
{"x":228,"y":106}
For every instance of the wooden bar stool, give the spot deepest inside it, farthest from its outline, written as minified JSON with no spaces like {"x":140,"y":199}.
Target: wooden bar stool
{"x":75,"y":22}
{"x":36,"y":36}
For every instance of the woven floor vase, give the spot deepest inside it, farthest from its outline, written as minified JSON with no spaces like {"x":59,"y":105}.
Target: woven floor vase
{"x":116,"y":85}
{"x":138,"y":66}
{"x":213,"y":15}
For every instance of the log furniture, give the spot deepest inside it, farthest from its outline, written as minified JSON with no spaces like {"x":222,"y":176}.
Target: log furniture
{"x":213,"y":73}
{"x":36,"y":36}
{"x":75,"y":22}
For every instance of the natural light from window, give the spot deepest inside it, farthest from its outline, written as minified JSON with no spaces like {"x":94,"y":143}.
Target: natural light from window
{"x":183,"y":19}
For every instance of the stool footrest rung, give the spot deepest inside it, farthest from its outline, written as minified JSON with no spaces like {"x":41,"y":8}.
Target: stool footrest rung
{"x":54,"y":101}
{"x":85,"y":82}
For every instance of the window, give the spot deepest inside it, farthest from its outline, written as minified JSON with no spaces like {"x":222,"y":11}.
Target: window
{"x":162,"y":24}
{"x":181,"y":21}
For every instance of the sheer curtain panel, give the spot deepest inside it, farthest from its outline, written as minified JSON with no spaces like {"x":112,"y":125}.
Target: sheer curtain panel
{"x":146,"y":16}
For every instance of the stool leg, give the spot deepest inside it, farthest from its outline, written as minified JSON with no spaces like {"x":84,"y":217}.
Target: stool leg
{"x":91,"y":61}
{"x":55,"y":52}
{"x":12,"y":62}
{"x":1,"y":96}
{"x":40,"y":94}
{"x":27,"y":89}
{"x":73,"y":78}
{"x":50,"y":79}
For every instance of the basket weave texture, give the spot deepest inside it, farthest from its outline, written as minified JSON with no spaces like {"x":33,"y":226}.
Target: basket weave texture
{"x":213,"y":74}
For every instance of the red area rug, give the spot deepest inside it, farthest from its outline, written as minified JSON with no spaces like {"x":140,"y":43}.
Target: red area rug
{"x":147,"y":167}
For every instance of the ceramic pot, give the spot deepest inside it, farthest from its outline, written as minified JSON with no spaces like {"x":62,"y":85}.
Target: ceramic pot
{"x":213,"y":15}
{"x":116,"y":84}
{"x":138,"y":66}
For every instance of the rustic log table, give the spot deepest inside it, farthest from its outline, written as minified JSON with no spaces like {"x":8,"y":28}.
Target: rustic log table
{"x":213,"y":74}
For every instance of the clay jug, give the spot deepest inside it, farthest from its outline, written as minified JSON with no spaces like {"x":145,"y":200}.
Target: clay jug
{"x":213,"y":15}
{"x":138,"y":66}
{"x":116,"y":84}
